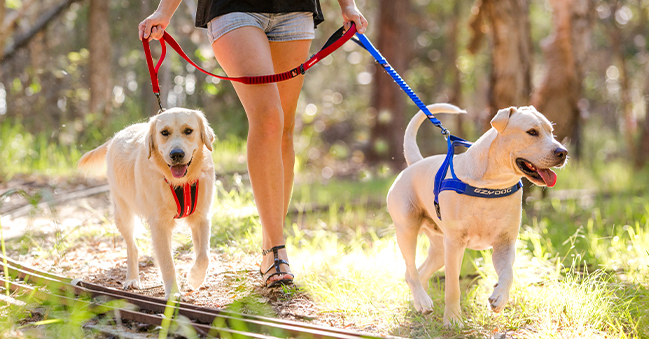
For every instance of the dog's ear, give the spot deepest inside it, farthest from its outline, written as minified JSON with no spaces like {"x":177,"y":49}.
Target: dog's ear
{"x":499,"y":122}
{"x":207,"y":134}
{"x":150,"y":137}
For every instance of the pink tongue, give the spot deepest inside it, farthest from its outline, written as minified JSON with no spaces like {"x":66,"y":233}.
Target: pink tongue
{"x":549,"y":177}
{"x":178,"y":171}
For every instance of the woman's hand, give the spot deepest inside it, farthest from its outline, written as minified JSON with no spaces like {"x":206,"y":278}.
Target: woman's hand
{"x":352,"y":14}
{"x":153,"y":26}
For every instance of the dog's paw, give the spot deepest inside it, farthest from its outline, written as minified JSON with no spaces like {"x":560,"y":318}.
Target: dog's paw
{"x":453,"y":317}
{"x":132,"y":284}
{"x":195,"y":277}
{"x":177,"y":297}
{"x":453,"y":322}
{"x":499,"y":298}
{"x":423,"y":303}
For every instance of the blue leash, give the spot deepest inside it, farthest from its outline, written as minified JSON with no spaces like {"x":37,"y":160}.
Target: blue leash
{"x":441,"y":184}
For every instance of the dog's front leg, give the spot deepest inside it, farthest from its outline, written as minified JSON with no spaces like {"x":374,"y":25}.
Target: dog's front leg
{"x":453,"y":253}
{"x":503,"y":260}
{"x":161,"y":231}
{"x":201,"y":239}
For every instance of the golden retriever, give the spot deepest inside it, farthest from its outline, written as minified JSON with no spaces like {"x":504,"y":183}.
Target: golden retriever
{"x":143,"y":160}
{"x":520,"y":143}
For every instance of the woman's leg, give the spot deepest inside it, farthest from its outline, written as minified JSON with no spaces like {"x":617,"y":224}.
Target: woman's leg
{"x":287,"y":55}
{"x":246,"y":51}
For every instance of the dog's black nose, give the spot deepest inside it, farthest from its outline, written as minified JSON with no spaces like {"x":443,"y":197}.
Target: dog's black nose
{"x":177,"y":154}
{"x":561,"y":153}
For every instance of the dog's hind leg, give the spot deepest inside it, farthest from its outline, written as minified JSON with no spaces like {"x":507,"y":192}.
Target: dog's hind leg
{"x":407,"y":229}
{"x":503,"y":259}
{"x":161,"y":231}
{"x":435,"y":259}
{"x":201,"y":240}
{"x":125,"y":225}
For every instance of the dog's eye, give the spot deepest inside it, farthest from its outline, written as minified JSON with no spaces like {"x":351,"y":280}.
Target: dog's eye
{"x":165,"y":133}
{"x":188,"y":131}
{"x":533,"y":133}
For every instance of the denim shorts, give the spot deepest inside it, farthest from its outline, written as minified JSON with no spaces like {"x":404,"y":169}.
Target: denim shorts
{"x":277,"y":26}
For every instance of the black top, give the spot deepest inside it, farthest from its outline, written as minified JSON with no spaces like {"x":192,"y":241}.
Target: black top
{"x":207,"y":10}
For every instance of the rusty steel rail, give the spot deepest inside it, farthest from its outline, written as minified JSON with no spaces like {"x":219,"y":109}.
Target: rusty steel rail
{"x":206,"y":321}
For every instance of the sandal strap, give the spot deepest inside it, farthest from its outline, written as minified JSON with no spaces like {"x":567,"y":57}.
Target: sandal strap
{"x":276,"y":266}
{"x":273,"y":249}
{"x":278,"y":273}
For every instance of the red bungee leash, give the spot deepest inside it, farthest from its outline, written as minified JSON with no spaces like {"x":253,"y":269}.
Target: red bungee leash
{"x":333,"y":43}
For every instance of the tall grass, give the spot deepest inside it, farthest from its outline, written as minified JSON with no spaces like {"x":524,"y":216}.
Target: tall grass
{"x":22,"y":152}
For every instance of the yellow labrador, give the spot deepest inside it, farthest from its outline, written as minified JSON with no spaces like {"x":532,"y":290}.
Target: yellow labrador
{"x":520,"y":143}
{"x":145,"y":163}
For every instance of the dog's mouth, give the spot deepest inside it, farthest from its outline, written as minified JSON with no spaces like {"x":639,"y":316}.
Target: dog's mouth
{"x":539,"y":176}
{"x":179,"y":171}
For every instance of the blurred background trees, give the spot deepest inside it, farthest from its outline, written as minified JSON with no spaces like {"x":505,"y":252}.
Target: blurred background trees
{"x":72,"y":73}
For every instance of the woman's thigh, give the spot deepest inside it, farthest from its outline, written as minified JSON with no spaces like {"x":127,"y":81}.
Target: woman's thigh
{"x":287,"y":55}
{"x":246,"y":51}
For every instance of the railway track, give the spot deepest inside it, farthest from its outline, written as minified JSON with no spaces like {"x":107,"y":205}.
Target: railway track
{"x":207,"y":322}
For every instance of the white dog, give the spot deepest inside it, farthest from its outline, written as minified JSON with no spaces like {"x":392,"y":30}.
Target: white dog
{"x":160,"y":171}
{"x":520,"y":143}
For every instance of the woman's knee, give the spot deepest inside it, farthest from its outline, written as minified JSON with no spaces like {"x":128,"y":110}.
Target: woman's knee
{"x":267,"y":124}
{"x":287,"y":133}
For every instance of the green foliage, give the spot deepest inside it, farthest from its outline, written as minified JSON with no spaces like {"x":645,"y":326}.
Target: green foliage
{"x":22,"y":152}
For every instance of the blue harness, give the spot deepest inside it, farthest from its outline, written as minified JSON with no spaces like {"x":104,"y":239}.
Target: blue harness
{"x":441,"y":184}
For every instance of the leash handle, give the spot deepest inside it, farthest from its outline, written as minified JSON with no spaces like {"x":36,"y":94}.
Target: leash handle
{"x":332,"y":44}
{"x":364,"y":42}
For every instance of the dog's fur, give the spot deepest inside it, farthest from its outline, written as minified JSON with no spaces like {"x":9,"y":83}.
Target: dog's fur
{"x":469,"y":222}
{"x":138,"y":160}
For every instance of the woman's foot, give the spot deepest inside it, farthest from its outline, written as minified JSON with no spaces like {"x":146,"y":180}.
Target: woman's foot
{"x":275,"y":269}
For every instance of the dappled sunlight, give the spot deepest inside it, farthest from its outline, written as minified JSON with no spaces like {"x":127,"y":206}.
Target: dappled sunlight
{"x":365,"y":287}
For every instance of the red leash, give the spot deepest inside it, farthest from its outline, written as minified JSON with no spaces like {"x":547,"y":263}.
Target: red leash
{"x":334,"y":42}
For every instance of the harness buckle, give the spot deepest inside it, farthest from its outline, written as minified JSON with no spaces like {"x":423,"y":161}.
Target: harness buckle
{"x":439,"y":213}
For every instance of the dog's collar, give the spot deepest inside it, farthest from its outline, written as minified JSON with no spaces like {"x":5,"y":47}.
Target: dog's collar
{"x":186,"y":197}
{"x":457,"y":185}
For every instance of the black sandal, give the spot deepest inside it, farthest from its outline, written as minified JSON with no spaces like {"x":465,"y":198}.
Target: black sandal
{"x":275,"y":265}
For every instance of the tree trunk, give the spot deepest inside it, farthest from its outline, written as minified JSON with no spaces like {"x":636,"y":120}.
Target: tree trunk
{"x":510,"y":83}
{"x":642,"y":149}
{"x":630,"y":123}
{"x":456,"y":91}
{"x":386,"y":136}
{"x":565,"y":53}
{"x":100,"y":57}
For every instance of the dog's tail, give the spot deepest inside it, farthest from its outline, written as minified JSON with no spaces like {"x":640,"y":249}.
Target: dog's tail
{"x":410,"y":148}
{"x":95,"y":160}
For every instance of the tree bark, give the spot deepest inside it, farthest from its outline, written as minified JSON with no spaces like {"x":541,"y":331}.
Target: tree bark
{"x":510,"y":82}
{"x":642,"y":149}
{"x":630,"y":122}
{"x":456,"y":90}
{"x":100,"y":57}
{"x":387,"y":97}
{"x":565,"y":53}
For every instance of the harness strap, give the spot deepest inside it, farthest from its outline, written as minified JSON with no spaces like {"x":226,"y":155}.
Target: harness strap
{"x":457,"y":185}
{"x":186,"y":197}
{"x":334,"y":42}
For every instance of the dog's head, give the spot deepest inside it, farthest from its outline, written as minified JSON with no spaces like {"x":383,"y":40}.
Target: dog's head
{"x":177,"y":135}
{"x":527,"y":135}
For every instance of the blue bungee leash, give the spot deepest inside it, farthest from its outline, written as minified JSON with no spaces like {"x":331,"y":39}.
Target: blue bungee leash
{"x":441,"y":184}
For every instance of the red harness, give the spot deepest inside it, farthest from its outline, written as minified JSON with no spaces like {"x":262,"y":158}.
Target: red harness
{"x":186,"y":197}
